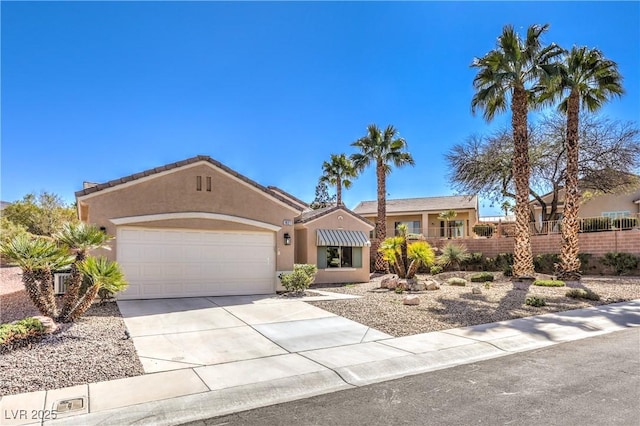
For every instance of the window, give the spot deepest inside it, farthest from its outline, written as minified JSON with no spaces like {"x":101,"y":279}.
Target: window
{"x":616,"y":215}
{"x":455,"y":230}
{"x":413,"y":226}
{"x":330,"y":257}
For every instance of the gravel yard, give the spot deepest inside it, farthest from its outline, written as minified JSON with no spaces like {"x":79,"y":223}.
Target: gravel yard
{"x":90,"y":350}
{"x":452,"y":306}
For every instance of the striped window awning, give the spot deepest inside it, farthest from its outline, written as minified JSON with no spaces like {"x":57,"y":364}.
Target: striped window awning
{"x":340,"y":237}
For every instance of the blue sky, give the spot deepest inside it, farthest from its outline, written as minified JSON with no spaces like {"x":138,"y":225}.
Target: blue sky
{"x":96,"y":91}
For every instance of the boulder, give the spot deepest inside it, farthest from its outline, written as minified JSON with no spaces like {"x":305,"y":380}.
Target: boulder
{"x":431,"y":285}
{"x":476,"y":290}
{"x":392,"y":283}
{"x":386,"y":280}
{"x":411,"y":300}
{"x":49,"y":324}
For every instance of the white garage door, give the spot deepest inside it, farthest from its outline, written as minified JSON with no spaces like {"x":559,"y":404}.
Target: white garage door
{"x":161,"y":263}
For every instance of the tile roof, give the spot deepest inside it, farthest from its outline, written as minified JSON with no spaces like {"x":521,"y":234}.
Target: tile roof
{"x":178,"y":164}
{"x":450,"y":202}
{"x":310,"y":215}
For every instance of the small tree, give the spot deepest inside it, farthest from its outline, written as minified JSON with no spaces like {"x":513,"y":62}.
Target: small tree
{"x":38,"y":258}
{"x":323,"y":199}
{"x":338,"y":172}
{"x":42,"y":214}
{"x":447,"y":216}
{"x":419,"y":253}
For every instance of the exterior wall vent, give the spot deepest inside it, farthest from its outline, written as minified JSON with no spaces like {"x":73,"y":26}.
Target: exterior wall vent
{"x":60,"y":282}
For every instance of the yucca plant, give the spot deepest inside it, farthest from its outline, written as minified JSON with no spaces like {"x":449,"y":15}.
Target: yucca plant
{"x":80,"y":238}
{"x":391,"y":249}
{"x":38,"y":258}
{"x":101,"y":273}
{"x":453,"y":255}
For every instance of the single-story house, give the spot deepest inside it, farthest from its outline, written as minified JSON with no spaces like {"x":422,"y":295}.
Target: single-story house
{"x":198,"y":228}
{"x":421,"y":215}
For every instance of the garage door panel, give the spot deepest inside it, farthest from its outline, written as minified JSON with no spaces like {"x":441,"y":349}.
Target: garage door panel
{"x":183,"y":263}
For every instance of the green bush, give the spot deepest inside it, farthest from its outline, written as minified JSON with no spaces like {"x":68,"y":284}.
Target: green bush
{"x":20,"y":330}
{"x":535,"y":301}
{"x":625,"y":222}
{"x":622,"y":263}
{"x":457,"y":281}
{"x":484,"y":230}
{"x":546,"y":263}
{"x":300,"y":279}
{"x":595,"y":224}
{"x":549,"y":283}
{"x":584,"y":260}
{"x":481,"y":277}
{"x":580,"y":293}
{"x":475,"y":262}
{"x":507,"y":270}
{"x":435,"y":269}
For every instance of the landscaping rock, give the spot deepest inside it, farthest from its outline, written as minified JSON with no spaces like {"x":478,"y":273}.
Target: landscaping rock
{"x":49,"y":324}
{"x":389,"y":282}
{"x":411,"y":300}
{"x":476,"y":290}
{"x":431,"y":285}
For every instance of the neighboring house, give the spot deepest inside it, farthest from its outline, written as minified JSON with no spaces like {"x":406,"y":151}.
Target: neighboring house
{"x":612,"y":206}
{"x":196,"y":228}
{"x":336,"y":240}
{"x":421,"y":215}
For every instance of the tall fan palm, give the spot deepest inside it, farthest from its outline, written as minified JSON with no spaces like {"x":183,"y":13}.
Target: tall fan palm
{"x":513,"y":71}
{"x":448,"y":216}
{"x":585,"y":79}
{"x":80,"y":238}
{"x":384,"y":148}
{"x":338,"y":172}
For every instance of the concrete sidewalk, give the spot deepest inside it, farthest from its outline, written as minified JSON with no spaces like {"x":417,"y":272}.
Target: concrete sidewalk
{"x":178,"y":396}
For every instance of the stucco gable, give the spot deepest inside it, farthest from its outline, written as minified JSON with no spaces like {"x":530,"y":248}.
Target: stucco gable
{"x":317,"y":215}
{"x":163,"y":171}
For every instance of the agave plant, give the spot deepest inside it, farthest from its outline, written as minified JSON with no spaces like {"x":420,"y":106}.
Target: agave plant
{"x":79,"y":238}
{"x":38,"y":258}
{"x":101,"y":273}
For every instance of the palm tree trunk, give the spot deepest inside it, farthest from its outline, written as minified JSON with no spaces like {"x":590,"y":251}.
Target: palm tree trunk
{"x":73,"y":289}
{"x":413,"y":268}
{"x":522,"y":255}
{"x":381,"y":226}
{"x":34,"y":284}
{"x":569,"y":260}
{"x":338,"y":191}
{"x":83,"y":304}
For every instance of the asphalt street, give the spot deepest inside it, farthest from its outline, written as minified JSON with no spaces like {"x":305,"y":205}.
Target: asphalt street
{"x":594,"y":381}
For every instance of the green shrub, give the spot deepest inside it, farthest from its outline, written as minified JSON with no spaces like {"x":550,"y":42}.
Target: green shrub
{"x":20,"y":330}
{"x":625,"y":222}
{"x":546,"y":263}
{"x":584,"y":260}
{"x":549,"y":283}
{"x":435,"y":269}
{"x":622,"y":263}
{"x":595,"y":224}
{"x":487,"y":285}
{"x":507,"y":270}
{"x":481,"y":277}
{"x":580,"y":293}
{"x":300,"y":279}
{"x":457,"y":281}
{"x":484,"y":230}
{"x":535,"y":301}
{"x":453,"y":255}
{"x":475,"y":261}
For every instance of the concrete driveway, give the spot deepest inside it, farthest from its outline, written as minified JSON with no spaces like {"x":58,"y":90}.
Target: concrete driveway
{"x":171,"y":334}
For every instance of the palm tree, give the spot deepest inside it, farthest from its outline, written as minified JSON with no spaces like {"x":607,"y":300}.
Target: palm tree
{"x":38,"y":258}
{"x":384,"y":148}
{"x":447,"y":216}
{"x":80,"y":238}
{"x":337,"y":172}
{"x":513,"y":70}
{"x":585,"y":79}
{"x":101,"y":274}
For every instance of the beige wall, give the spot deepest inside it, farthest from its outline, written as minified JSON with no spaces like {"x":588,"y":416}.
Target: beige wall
{"x":308,"y":249}
{"x":596,"y":205}
{"x":175,"y":192}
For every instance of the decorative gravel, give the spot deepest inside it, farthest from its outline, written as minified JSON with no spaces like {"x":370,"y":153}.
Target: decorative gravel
{"x":453,"y":306}
{"x":89,"y":350}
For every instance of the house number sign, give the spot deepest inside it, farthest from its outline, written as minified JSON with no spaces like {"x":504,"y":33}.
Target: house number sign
{"x":287,"y":222}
